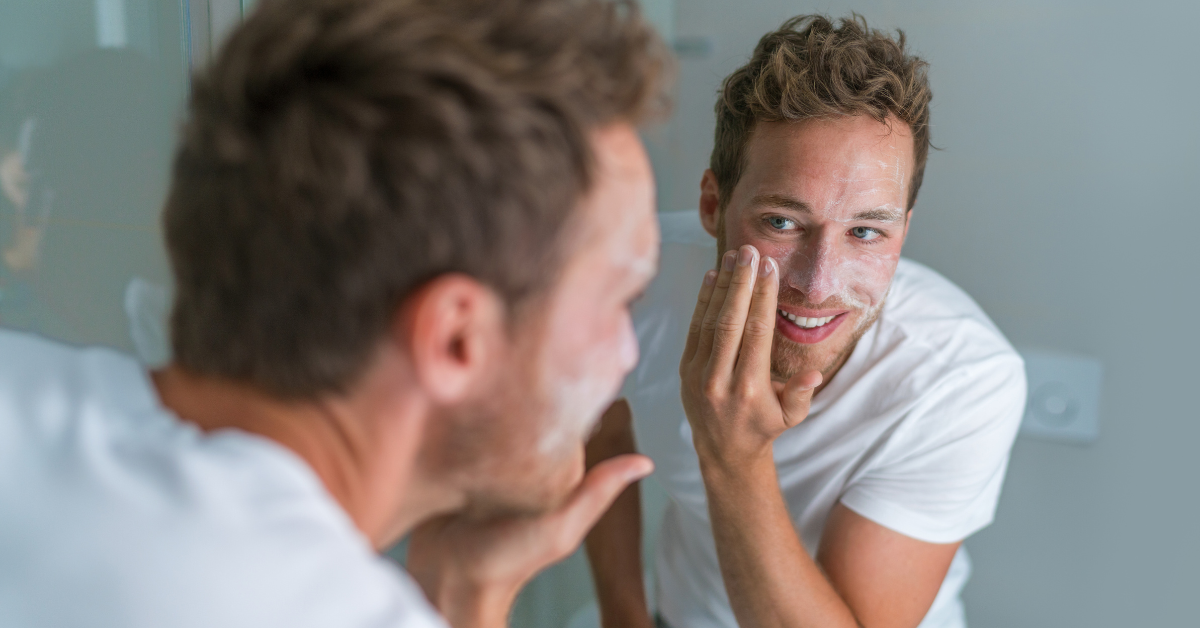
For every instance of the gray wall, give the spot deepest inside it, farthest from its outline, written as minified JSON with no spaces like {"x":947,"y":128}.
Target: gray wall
{"x":1063,"y":201}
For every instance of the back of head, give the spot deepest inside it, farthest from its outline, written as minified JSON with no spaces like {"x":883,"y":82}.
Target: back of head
{"x":811,"y":69}
{"x":339,"y":153}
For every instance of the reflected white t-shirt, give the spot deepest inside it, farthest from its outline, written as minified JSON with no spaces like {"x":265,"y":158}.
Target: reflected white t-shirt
{"x":912,"y":433}
{"x":114,"y":513}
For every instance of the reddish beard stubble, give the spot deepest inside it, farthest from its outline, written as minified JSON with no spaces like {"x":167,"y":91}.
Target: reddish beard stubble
{"x":789,"y":358}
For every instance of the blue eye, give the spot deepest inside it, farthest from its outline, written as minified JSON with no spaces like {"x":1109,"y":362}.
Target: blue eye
{"x":866,"y":234}
{"x":779,"y":222}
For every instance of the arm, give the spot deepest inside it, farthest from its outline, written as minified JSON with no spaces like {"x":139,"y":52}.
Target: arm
{"x":614,"y":546}
{"x":877,"y":578}
{"x":864,"y":575}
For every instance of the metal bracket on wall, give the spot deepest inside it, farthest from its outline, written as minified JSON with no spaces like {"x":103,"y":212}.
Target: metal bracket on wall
{"x":207,"y":22}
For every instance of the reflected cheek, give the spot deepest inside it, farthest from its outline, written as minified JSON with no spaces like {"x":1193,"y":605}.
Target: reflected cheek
{"x":871,"y":276}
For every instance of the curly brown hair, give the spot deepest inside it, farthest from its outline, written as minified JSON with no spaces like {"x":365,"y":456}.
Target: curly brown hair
{"x":340,"y":153}
{"x":810,"y":68}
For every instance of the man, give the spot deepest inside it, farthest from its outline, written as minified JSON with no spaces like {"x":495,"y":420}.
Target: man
{"x":404,"y":236}
{"x":834,"y":420}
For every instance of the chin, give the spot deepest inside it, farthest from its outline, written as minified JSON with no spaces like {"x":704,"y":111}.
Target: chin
{"x":544,"y":486}
{"x":790,"y":358}
{"x":563,"y":478}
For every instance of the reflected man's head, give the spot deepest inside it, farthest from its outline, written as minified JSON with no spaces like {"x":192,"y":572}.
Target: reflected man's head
{"x":819,"y":153}
{"x":455,"y":185}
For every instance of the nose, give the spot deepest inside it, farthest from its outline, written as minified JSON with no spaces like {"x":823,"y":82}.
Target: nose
{"x":814,"y":271}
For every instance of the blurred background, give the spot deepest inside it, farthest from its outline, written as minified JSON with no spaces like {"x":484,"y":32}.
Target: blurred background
{"x":1068,"y":172}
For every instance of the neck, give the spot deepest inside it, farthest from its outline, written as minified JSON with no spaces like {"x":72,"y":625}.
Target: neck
{"x":362,"y":446}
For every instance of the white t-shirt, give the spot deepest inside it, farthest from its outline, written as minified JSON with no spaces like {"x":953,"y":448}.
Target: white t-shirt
{"x":114,"y":513}
{"x":912,"y":433}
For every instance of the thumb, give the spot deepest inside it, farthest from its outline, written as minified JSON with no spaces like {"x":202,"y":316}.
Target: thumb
{"x":797,"y":396}
{"x":599,"y":488}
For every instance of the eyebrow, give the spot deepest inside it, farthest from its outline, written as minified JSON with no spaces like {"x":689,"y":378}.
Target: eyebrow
{"x":782,"y":202}
{"x":881,"y":215}
{"x":878,"y":214}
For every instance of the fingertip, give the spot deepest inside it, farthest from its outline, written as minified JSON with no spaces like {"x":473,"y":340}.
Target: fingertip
{"x":727,"y":260}
{"x":640,"y":469}
{"x":747,"y":255}
{"x":710,"y":277}
{"x":767,"y":267}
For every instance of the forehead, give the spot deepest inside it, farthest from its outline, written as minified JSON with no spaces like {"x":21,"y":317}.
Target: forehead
{"x":849,"y":155}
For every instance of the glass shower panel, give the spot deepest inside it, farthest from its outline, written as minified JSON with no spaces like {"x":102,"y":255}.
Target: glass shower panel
{"x":91,"y":93}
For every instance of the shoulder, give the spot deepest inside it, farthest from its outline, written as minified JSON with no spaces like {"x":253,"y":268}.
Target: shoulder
{"x":940,"y":323}
{"x":275,"y":532}
{"x":183,"y":528}
{"x":46,"y":385}
{"x":933,"y":343}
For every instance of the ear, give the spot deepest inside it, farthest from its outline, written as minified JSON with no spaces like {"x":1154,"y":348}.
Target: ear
{"x":454,"y":329}
{"x":907,"y":223}
{"x":710,"y":203}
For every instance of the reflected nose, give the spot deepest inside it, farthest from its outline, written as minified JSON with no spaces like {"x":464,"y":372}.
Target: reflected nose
{"x":814,"y":272}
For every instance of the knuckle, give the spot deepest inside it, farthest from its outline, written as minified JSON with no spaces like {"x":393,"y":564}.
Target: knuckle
{"x":710,"y":388}
{"x":746,"y":390}
{"x":739,"y":281}
{"x":728,"y":323}
{"x":758,"y":328}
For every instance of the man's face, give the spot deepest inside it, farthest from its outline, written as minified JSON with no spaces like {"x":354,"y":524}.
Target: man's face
{"x":827,"y":199}
{"x":578,"y":342}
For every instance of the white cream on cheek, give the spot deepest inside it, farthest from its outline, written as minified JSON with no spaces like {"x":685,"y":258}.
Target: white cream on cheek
{"x":829,"y":264}
{"x":582,"y":381}
{"x":584,"y":372}
{"x":858,"y":279}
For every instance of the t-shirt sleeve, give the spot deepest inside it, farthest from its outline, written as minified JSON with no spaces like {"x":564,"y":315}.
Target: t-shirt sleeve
{"x":938,"y":477}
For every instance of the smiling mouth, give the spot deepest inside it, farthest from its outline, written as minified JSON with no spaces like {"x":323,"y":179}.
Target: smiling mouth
{"x":807,"y":323}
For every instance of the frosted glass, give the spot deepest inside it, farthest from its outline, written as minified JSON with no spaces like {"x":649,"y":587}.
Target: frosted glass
{"x":90,"y":99}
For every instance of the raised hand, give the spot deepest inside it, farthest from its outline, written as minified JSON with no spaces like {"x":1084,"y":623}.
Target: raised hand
{"x":472,"y":569}
{"x":735,"y":409}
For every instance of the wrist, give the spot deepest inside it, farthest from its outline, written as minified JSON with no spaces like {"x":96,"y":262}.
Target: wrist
{"x":473,"y":605}
{"x":627,"y":609}
{"x":626,"y":618}
{"x":732,"y":462}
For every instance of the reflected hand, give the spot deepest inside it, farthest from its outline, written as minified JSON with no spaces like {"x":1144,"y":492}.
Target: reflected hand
{"x":14,"y":181}
{"x":735,"y":409}
{"x":472,"y":569}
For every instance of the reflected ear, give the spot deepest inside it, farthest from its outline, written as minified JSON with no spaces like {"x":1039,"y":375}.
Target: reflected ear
{"x":453,"y":327}
{"x":710,"y":202}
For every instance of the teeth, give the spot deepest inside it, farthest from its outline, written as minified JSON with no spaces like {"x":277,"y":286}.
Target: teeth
{"x":807,"y":323}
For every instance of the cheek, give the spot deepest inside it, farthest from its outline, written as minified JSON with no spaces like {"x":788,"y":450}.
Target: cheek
{"x":869,"y":274}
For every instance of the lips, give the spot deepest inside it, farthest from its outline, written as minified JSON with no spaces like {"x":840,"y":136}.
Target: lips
{"x":808,"y":329}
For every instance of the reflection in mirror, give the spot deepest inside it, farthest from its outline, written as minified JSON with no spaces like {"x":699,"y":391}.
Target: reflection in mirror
{"x":89,"y":96}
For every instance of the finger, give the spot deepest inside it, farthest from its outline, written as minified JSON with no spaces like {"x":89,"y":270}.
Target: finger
{"x":754,"y":359}
{"x":797,"y":395}
{"x":731,"y":320}
{"x":591,"y":499}
{"x":693,"y":338}
{"x":709,"y":323}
